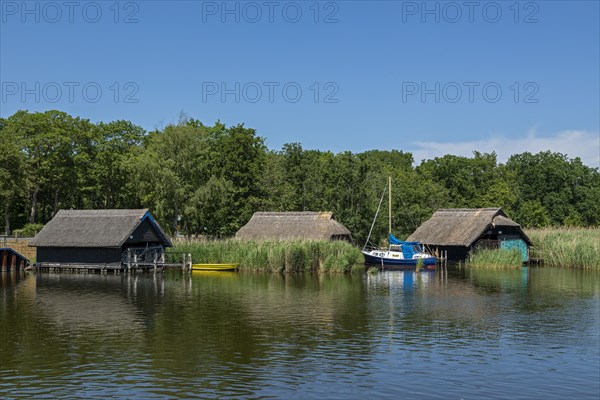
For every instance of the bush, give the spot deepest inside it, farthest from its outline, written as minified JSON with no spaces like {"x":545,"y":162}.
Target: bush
{"x":29,"y":230}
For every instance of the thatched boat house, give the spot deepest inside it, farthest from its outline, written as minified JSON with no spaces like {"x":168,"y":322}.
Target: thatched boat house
{"x":309,"y":225}
{"x":99,"y":238}
{"x":456,"y":232}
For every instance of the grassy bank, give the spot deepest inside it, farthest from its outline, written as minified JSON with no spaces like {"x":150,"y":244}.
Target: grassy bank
{"x":289,"y":256}
{"x":566,"y":247}
{"x":508,"y":259}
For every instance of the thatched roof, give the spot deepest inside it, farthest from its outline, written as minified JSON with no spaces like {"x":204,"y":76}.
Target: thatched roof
{"x":94,"y":228}
{"x":293,"y":225}
{"x":461,"y":226}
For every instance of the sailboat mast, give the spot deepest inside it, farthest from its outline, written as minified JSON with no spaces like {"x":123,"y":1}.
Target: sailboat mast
{"x":376,"y":214}
{"x":390,"y":204}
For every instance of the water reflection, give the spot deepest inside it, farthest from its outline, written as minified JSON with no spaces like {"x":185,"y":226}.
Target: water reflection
{"x":537,"y":306}
{"x":272,"y":335}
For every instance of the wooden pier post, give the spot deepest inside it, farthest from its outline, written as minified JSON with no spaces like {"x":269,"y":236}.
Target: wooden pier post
{"x":185,"y":263}
{"x":189,"y":263}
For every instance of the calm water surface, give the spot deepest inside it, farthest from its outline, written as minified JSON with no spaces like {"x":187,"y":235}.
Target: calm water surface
{"x":448,"y":334}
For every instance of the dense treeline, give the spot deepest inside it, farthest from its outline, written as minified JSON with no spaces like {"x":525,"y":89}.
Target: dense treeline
{"x":200,"y":179}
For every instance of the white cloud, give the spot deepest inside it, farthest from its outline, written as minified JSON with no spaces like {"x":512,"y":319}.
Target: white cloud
{"x":573,"y":143}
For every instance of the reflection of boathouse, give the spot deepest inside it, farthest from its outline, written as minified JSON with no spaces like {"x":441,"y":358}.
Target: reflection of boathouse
{"x":457,"y":232}
{"x":99,"y":239}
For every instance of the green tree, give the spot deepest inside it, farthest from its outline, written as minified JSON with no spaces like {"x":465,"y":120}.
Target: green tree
{"x":210,"y":179}
{"x":532,"y":214}
{"x":182,"y":168}
{"x":102,"y":163}
{"x":47,"y":141}
{"x":237,"y":155}
{"x":212,"y":206}
{"x":467,"y":180}
{"x":11,"y":173}
{"x":167,"y":171}
{"x":565,"y":188}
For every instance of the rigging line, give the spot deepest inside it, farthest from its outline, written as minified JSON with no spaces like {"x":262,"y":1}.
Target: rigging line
{"x":375,"y":219}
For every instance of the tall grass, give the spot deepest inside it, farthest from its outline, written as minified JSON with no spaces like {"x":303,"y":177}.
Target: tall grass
{"x":286,"y":256}
{"x":566,"y":247}
{"x":496,"y":258}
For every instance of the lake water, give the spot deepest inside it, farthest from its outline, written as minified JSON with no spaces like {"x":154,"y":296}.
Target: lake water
{"x":447,"y":334}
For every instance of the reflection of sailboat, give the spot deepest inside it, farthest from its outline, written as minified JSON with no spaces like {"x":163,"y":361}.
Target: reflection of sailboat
{"x":398,"y":253}
{"x":403,"y":281}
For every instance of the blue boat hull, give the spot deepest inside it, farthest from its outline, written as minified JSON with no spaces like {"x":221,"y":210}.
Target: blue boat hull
{"x":373,"y":260}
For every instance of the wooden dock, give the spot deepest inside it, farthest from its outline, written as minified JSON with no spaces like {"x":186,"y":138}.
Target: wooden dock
{"x":131,"y":264}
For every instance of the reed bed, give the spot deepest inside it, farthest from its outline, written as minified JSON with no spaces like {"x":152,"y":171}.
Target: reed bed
{"x":495,"y":258}
{"x":275,"y":256}
{"x":566,"y":247}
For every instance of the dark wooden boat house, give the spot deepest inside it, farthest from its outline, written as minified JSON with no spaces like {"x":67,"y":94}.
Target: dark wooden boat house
{"x":457,"y":232}
{"x":11,"y":260}
{"x":99,"y":239}
{"x":308,"y":225}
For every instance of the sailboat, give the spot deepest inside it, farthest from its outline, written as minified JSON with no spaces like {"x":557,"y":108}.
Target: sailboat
{"x":398,"y":253}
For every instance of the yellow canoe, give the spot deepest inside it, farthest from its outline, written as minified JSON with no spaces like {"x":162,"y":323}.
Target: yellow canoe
{"x":215,"y":267}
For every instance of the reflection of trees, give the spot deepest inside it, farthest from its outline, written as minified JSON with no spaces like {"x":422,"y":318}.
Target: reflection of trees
{"x":545,"y":301}
{"x":550,"y":286}
{"x":226,"y":328}
{"x":89,"y":302}
{"x":464,"y":305}
{"x":54,"y":322}
{"x":225,"y":333}
{"x":236,"y":320}
{"x":410,"y":307}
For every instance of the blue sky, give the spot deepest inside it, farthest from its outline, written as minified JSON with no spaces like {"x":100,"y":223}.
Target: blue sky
{"x":431,"y":77}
